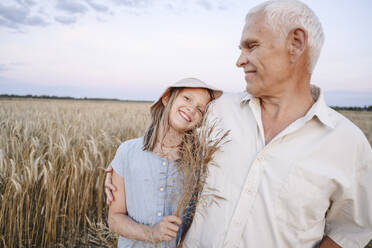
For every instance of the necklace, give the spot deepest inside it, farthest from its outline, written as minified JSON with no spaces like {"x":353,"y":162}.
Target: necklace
{"x":174,"y":146}
{"x":167,"y":154}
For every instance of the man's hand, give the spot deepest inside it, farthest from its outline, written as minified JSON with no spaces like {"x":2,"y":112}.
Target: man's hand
{"x":328,"y":243}
{"x":109,"y":187}
{"x":165,"y":230}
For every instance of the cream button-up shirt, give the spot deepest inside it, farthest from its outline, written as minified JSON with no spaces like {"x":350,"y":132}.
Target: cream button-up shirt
{"x":313,"y":179}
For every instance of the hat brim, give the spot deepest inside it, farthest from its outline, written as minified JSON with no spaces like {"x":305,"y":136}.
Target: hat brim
{"x":188,"y":83}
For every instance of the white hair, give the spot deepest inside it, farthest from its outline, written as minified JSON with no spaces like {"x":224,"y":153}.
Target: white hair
{"x":286,"y":15}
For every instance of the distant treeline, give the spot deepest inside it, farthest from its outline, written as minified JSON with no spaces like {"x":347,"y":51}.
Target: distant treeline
{"x":67,"y":98}
{"x":365,"y":108}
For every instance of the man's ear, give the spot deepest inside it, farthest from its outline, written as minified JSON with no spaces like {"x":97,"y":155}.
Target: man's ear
{"x":297,"y":43}
{"x":165,"y":98}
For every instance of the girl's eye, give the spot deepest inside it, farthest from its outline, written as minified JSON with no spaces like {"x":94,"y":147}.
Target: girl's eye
{"x":201,"y":111}
{"x":186,"y":98}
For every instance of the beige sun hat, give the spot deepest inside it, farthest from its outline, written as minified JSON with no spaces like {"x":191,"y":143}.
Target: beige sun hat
{"x":188,"y":83}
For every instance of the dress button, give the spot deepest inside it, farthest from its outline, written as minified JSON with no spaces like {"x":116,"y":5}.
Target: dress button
{"x":161,"y":189}
{"x":164,"y":163}
{"x":159,"y":214}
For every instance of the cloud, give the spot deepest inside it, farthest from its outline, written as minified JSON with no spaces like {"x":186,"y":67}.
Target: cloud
{"x":71,"y":7}
{"x":222,"y":7}
{"x":35,"y":21}
{"x":27,"y":3}
{"x":205,"y":4}
{"x":191,"y":5}
{"x":67,"y":20}
{"x":132,"y":3}
{"x":17,"y":14}
{"x":210,"y":5}
{"x":8,"y":24}
{"x":10,"y":66}
{"x":4,"y":67}
{"x":13,"y":16}
{"x":97,"y":7}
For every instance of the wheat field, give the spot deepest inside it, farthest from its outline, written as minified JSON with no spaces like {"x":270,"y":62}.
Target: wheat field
{"x":52,"y":156}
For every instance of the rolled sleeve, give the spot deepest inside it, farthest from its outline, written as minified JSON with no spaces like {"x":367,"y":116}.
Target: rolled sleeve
{"x":349,"y":220}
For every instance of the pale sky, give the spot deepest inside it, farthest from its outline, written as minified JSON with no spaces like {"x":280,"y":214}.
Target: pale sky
{"x":132,"y":49}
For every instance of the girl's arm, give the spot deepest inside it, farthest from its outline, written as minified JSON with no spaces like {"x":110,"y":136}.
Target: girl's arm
{"x":119,"y":222}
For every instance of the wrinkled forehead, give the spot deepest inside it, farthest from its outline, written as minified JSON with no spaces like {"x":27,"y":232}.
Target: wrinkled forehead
{"x":256,"y":20}
{"x":257,"y":28}
{"x":254,"y":15}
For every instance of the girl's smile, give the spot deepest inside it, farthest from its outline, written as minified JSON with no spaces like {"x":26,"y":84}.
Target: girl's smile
{"x":188,"y":109}
{"x":184,"y":115}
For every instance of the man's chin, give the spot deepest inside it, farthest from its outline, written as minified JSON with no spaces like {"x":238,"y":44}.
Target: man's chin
{"x":251,"y":89}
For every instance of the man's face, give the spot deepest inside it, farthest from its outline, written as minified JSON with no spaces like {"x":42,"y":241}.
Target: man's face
{"x":264,"y":58}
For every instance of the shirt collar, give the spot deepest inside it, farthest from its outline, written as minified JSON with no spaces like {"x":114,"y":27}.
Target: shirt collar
{"x":246,"y":97}
{"x":319,"y":108}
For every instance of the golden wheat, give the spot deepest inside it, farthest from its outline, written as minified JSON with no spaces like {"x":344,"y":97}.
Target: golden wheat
{"x":363,"y":120}
{"x":52,"y":155}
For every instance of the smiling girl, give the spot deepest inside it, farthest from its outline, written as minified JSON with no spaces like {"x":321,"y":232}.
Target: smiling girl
{"x":145,"y":174}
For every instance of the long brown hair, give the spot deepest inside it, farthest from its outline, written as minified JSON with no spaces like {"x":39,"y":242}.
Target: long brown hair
{"x":160,"y":118}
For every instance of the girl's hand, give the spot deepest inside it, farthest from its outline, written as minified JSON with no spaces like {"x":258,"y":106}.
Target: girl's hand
{"x":109,"y":187}
{"x":165,"y":230}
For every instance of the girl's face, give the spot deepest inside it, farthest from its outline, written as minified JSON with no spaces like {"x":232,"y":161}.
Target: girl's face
{"x":188,"y":109}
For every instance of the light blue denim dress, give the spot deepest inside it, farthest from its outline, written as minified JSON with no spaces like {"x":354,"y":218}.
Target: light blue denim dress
{"x":152,"y":188}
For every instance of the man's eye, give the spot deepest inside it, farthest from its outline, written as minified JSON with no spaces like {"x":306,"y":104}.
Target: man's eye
{"x":251,"y":46}
{"x":201,"y":111}
{"x":186,"y":98}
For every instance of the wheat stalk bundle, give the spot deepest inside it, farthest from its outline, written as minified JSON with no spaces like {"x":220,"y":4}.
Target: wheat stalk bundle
{"x":197,"y":151}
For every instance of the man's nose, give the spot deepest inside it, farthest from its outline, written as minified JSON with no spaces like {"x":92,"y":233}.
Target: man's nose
{"x":242,"y":60}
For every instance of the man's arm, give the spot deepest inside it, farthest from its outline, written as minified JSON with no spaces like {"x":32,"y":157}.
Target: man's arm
{"x":349,"y":219}
{"x":109,"y":187}
{"x":327,"y":242}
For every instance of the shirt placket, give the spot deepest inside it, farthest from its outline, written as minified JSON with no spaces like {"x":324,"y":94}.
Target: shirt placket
{"x":245,"y":203}
{"x":250,"y":188}
{"x":162,"y":188}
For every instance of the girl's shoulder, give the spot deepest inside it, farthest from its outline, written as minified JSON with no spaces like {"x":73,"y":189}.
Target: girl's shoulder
{"x":131,"y":145}
{"x":126,"y":152}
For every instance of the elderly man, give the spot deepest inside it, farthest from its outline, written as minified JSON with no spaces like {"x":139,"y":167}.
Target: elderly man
{"x":296,"y":173}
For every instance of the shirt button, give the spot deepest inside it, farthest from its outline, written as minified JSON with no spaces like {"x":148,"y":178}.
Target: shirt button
{"x":161,"y":189}
{"x":164,"y":163}
{"x":159,"y":214}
